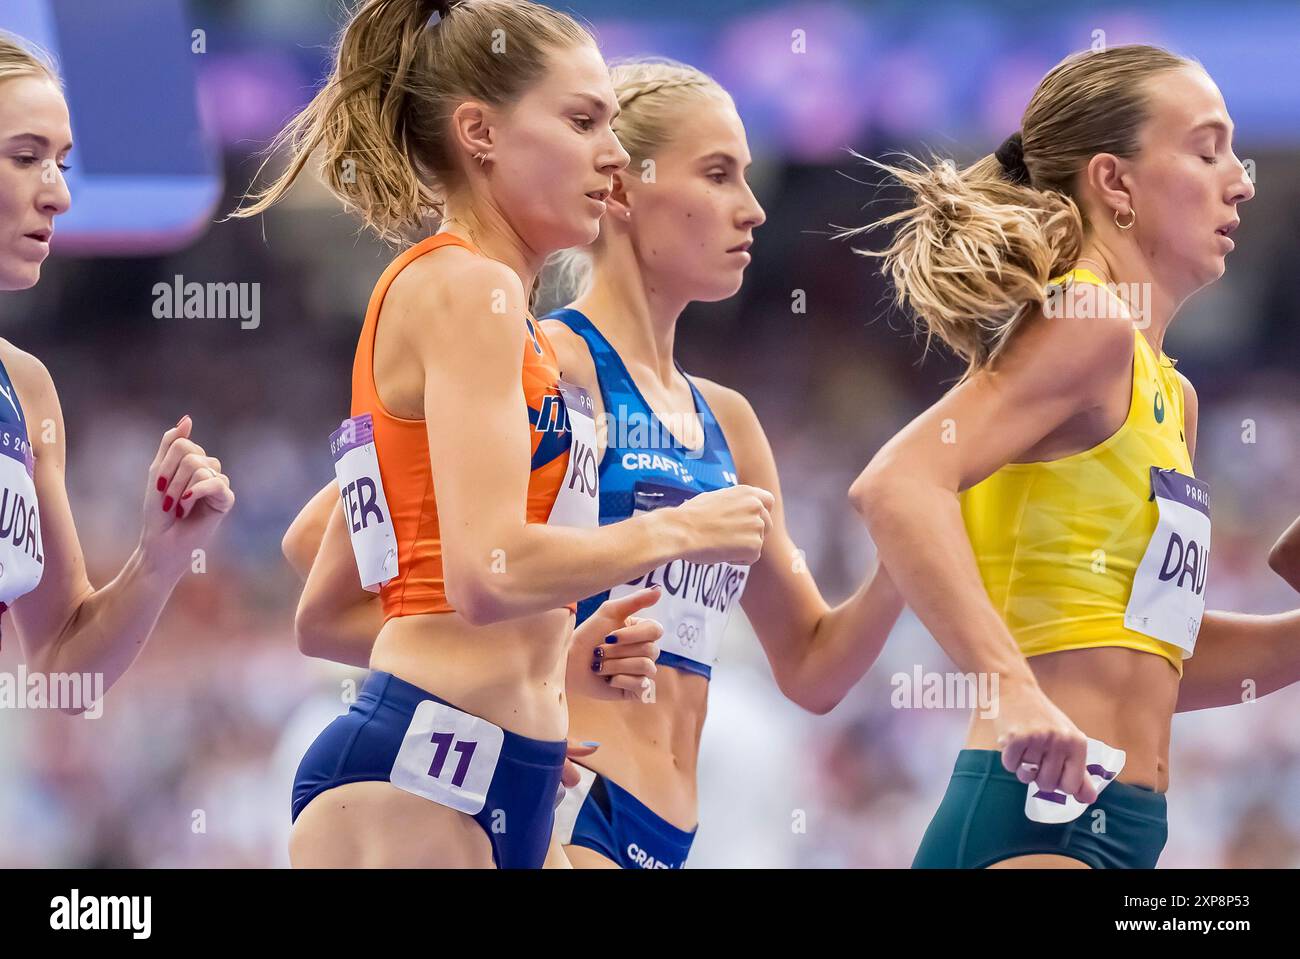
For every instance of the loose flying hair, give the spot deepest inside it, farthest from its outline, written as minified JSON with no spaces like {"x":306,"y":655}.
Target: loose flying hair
{"x":972,"y":256}
{"x":380,"y":121}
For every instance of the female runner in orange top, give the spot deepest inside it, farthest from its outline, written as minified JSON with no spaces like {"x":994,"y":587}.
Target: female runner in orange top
{"x":452,"y":755}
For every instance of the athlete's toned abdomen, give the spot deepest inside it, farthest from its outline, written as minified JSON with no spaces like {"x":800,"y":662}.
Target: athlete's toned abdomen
{"x":1124,"y":697}
{"x":649,"y":749}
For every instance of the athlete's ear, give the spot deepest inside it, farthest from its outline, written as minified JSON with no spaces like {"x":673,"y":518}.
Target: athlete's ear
{"x":618,"y":206}
{"x":471,"y":130}
{"x":1108,"y":176}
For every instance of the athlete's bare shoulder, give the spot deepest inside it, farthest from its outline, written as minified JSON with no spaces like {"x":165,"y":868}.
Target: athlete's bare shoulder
{"x":728,"y":405}
{"x":1071,"y":352}
{"x":454,"y":277}
{"x":31,"y":379}
{"x":736,"y":418}
{"x":572,"y":354}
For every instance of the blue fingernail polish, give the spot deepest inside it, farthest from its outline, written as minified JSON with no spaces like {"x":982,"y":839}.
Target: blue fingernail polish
{"x":591,"y":745}
{"x":611,"y":639}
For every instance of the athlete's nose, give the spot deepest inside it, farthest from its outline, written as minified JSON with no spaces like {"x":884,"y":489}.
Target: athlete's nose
{"x":752,"y":216}
{"x":53,"y":198}
{"x":1243,"y":188}
{"x":614,"y":157}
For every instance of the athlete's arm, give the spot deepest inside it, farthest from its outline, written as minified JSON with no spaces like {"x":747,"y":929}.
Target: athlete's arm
{"x":1284,"y":557}
{"x":66,"y":625}
{"x":302,"y":540}
{"x":337,"y":618}
{"x":465,"y":321}
{"x":908,"y":495}
{"x":1238,"y":656}
{"x":817,"y":653}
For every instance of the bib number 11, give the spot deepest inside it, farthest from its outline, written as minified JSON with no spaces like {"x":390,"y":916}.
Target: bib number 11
{"x":444,"y":743}
{"x":449,"y":756}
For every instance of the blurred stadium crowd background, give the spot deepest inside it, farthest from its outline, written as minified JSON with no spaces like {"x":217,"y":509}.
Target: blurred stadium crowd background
{"x":191,"y":763}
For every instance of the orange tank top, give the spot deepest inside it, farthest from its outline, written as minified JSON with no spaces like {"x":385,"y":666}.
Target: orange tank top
{"x":402,"y":449}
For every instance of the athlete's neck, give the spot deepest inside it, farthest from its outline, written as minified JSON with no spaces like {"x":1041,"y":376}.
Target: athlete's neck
{"x":492,"y":235}
{"x":1152,"y":303}
{"x":636,"y":314}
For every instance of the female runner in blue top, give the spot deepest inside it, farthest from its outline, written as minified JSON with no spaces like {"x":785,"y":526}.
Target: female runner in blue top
{"x":679,"y":224}
{"x":65,"y":625}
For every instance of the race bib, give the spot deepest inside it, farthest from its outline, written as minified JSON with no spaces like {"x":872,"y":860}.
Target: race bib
{"x":696,"y":600}
{"x":448,"y":756}
{"x":1168,"y":597}
{"x":578,"y":502}
{"x":22,"y":556}
{"x":1104,"y":764}
{"x":365,"y":508}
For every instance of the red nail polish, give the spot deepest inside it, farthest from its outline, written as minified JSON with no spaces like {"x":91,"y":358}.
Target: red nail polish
{"x":188,"y":494}
{"x":180,"y":510}
{"x":162,"y":483}
{"x":167,"y":503}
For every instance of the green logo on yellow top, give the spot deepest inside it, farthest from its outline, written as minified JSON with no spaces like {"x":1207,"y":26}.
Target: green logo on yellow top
{"x":1160,"y":407}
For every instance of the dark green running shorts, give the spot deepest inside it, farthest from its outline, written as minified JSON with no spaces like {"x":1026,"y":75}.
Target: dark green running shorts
{"x":982,"y":820}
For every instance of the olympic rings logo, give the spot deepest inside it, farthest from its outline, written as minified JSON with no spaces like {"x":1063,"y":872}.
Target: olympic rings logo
{"x":688,"y":633}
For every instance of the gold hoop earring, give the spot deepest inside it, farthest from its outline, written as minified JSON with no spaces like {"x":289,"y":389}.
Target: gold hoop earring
{"x":1129,"y":224}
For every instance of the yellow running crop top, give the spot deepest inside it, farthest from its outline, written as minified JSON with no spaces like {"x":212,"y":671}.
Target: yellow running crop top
{"x":1058,"y":542}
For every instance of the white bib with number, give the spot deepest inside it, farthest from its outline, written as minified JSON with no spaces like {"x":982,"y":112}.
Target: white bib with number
{"x":578,"y":502}
{"x":22,"y":558}
{"x":696,"y":599}
{"x":365,"y":508}
{"x":1168,"y":598}
{"x":1104,"y":763}
{"x":448,"y":756}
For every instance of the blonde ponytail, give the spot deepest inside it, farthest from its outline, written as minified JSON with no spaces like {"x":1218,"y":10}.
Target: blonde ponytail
{"x":974,"y":251}
{"x":380,"y":121}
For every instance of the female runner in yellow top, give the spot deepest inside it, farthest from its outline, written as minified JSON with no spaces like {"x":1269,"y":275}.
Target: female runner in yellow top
{"x":1043,"y":518}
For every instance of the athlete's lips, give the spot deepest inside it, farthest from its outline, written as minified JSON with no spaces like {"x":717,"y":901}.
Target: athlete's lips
{"x":41,"y":235}
{"x":599,"y":195}
{"x":741,"y":247}
{"x":1227,"y":228}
